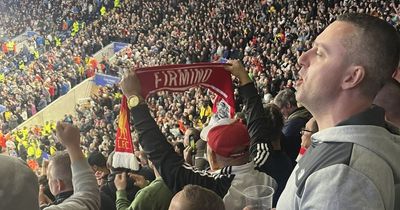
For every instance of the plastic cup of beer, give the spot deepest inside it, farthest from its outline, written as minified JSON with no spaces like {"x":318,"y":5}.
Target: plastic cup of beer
{"x":258,"y":197}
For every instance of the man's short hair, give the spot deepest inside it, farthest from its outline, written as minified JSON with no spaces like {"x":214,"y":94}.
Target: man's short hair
{"x":375,"y":46}
{"x":199,"y":198}
{"x":61,"y":168}
{"x":97,"y":159}
{"x":285,"y":97}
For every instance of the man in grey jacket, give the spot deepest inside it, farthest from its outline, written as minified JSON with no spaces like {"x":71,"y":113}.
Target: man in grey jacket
{"x":85,"y":192}
{"x":353,"y":162}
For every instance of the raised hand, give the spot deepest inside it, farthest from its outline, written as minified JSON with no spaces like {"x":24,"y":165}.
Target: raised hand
{"x":130,"y":84}
{"x":187,"y":155}
{"x":120,"y":181}
{"x":237,"y":69}
{"x":69,"y":136}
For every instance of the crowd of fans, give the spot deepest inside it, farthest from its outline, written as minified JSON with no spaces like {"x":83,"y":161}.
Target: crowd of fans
{"x":267,"y":36}
{"x":45,"y":67}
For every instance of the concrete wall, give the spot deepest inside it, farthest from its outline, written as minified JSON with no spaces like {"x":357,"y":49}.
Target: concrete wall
{"x":63,"y":105}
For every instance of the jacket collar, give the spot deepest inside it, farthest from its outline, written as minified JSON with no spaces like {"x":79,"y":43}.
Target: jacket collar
{"x":62,"y":196}
{"x":374,"y":115}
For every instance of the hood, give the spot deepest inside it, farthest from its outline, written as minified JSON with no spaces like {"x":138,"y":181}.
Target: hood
{"x":375,"y":138}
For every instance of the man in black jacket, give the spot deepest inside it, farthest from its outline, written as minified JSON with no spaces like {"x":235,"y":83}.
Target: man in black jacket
{"x":228,"y":154}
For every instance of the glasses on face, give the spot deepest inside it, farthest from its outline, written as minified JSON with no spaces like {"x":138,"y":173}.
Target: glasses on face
{"x":303,"y":131}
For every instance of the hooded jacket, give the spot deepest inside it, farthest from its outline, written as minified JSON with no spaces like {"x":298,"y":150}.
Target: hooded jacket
{"x":355,"y":165}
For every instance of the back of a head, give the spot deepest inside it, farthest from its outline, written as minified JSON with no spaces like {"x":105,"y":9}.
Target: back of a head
{"x":389,"y":99}
{"x":61,"y":168}
{"x":97,"y":159}
{"x":194,"y":197}
{"x":275,"y":121}
{"x":375,"y":46}
{"x":285,"y":97}
{"x":19,"y":187}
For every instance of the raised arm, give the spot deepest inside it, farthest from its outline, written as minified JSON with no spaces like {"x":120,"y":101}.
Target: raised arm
{"x":175,"y":173}
{"x":86,"y":194}
{"x":254,"y":111}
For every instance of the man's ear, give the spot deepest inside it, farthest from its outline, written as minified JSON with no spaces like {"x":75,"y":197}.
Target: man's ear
{"x":213,"y":160}
{"x":353,"y":77}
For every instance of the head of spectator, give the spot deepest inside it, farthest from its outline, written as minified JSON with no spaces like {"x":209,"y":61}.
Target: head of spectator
{"x":310,"y":128}
{"x":286,"y":102}
{"x":295,"y":119}
{"x":361,"y":53}
{"x":194,"y":197}
{"x":19,"y":188}
{"x":227,"y":143}
{"x":389,"y":99}
{"x":98,"y":163}
{"x":275,"y":122}
{"x":59,"y":174}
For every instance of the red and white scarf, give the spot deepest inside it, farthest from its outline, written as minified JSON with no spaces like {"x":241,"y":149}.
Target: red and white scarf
{"x":180,"y":78}
{"x":176,"y":78}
